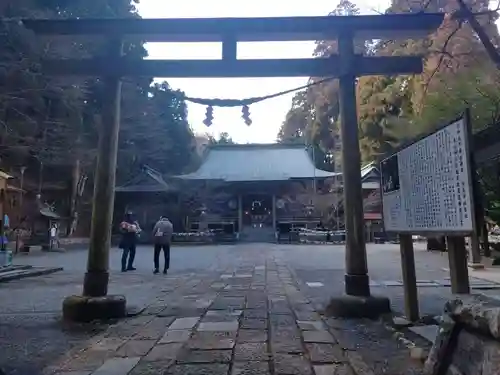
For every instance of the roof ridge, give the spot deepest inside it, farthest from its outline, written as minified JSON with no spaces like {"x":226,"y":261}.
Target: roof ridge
{"x":255,"y":145}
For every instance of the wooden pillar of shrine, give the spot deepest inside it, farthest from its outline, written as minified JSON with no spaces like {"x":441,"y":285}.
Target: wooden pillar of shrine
{"x":358,"y":302}
{"x":356,"y":278}
{"x":95,"y":302}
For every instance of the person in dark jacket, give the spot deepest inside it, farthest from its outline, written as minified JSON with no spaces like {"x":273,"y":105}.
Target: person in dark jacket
{"x":162,"y":235}
{"x":130,"y":230}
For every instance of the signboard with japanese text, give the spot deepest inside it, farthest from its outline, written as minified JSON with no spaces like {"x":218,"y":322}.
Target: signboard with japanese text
{"x":426,"y":187}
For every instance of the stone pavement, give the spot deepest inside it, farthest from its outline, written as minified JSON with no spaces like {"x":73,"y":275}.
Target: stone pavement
{"x":32,"y":337}
{"x":254,"y":320}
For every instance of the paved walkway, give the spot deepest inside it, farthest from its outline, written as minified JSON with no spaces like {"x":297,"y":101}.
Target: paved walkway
{"x":254,"y":320}
{"x":269,"y":290}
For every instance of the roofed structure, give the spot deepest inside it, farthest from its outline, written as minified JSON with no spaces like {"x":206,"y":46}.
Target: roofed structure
{"x":257,"y":162}
{"x":148,"y":181}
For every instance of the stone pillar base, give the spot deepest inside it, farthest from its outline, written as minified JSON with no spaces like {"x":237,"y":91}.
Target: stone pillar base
{"x":371,"y":307}
{"x":357,"y":285}
{"x":86,"y":309}
{"x":476,"y":266}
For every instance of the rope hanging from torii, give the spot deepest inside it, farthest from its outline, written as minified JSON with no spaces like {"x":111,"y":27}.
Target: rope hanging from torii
{"x":244,"y":103}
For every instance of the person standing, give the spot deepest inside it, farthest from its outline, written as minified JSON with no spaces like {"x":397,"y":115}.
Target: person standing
{"x":162,"y":237}
{"x":53,"y":237}
{"x":130,"y":230}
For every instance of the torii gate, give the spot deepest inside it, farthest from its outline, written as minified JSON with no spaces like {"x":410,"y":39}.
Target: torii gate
{"x":95,"y":302}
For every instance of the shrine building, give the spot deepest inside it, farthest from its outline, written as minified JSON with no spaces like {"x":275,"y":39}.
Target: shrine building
{"x":257,"y":189}
{"x":252,"y":190}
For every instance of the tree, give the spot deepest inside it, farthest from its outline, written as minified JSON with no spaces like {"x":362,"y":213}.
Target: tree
{"x":50,"y":125}
{"x":224,"y":139}
{"x":314,"y":114}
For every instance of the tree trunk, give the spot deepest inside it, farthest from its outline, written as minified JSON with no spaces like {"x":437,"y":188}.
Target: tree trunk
{"x":485,"y":239}
{"x":73,"y":214}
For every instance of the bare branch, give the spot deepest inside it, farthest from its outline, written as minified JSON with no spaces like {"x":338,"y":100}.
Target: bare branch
{"x":443,"y":53}
{"x":481,"y":33}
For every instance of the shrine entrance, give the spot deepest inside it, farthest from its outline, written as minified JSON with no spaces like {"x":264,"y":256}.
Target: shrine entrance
{"x":346,"y":66}
{"x":257,"y":210}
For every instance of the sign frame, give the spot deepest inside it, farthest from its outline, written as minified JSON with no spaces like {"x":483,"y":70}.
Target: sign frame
{"x":468,"y":146}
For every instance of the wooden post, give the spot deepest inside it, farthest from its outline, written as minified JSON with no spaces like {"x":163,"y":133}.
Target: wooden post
{"x":2,"y":217}
{"x":409,"y":277}
{"x":274,"y":213}
{"x":475,"y":252}
{"x":459,"y":273}
{"x":485,"y":239}
{"x":356,"y":278}
{"x":96,"y":279}
{"x":240,"y":213}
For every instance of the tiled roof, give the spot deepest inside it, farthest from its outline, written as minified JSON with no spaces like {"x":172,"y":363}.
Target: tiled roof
{"x":257,"y":162}
{"x":148,"y":180}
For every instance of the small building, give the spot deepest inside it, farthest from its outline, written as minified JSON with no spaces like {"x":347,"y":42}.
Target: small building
{"x":148,"y":196}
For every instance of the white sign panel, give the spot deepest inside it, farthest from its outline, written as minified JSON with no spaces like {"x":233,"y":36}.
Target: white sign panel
{"x":426,"y":187}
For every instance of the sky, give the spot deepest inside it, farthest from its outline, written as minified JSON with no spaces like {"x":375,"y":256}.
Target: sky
{"x":266,"y":116}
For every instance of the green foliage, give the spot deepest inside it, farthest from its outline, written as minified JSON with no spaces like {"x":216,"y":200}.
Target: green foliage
{"x":224,"y":139}
{"x":313,"y":117}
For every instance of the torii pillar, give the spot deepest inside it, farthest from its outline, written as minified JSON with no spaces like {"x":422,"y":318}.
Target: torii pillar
{"x":357,"y":301}
{"x":95,"y":302}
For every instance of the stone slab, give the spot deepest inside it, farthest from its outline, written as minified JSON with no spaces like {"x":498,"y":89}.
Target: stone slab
{"x":205,"y":356}
{"x":470,"y":328}
{"x":427,"y":332}
{"x":213,"y":313}
{"x":184,"y":323}
{"x":337,"y":369}
{"x":254,"y":323}
{"x":218,"y":326}
{"x":256,"y":351}
{"x":211,"y":344}
{"x":282,"y":320}
{"x":108,"y":343}
{"x":392,"y":283}
{"x":325,"y":353}
{"x":255,"y":314}
{"x":250,"y":368}
{"x":199,"y":369}
{"x":252,"y":335}
{"x":315,"y":284}
{"x":151,"y":368}
{"x":398,"y":321}
{"x":311,"y":325}
{"x":117,"y":366}
{"x":163,"y":352}
{"x":318,"y":337}
{"x":287,"y":364}
{"x":135,"y":348}
{"x":175,"y":336}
